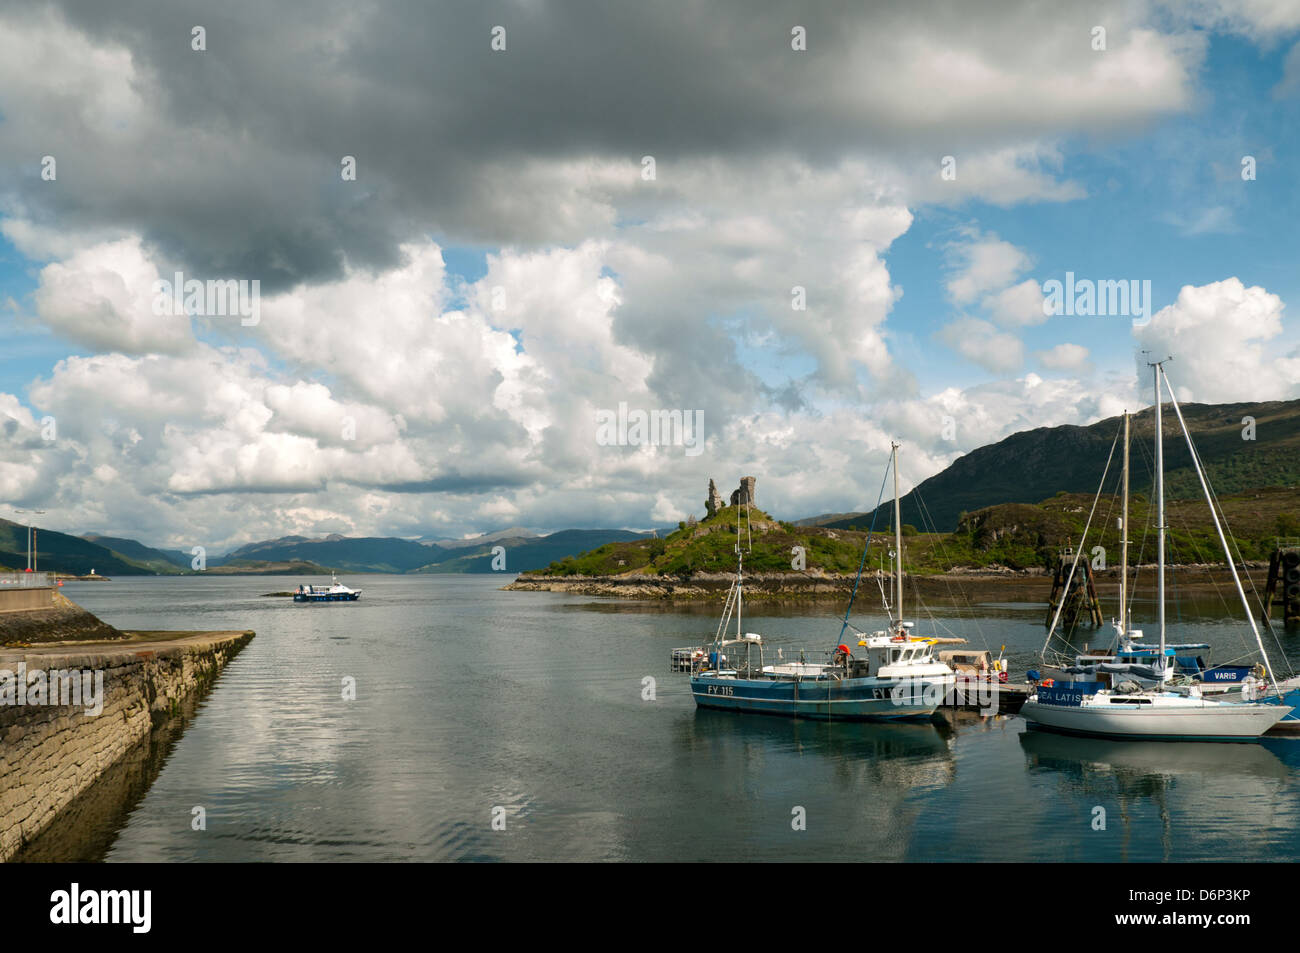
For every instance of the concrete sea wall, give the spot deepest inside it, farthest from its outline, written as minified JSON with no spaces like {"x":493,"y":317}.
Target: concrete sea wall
{"x":22,"y":600}
{"x":51,"y":754}
{"x":30,"y":616}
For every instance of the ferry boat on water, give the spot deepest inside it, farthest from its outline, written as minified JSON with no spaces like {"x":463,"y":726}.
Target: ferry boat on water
{"x":335,"y":592}
{"x":896,"y":678}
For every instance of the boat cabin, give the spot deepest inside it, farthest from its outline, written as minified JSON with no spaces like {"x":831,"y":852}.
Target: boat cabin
{"x":968,"y":661}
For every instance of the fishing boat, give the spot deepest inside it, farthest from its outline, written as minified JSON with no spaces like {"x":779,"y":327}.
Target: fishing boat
{"x":1127,"y":709}
{"x":335,"y":592}
{"x":895,"y":676}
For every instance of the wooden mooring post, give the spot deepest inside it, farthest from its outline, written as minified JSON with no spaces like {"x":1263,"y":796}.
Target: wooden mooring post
{"x":1081,"y":599}
{"x":1283,"y":584}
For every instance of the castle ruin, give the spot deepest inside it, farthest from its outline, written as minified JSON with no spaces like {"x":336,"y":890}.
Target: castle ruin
{"x":744,"y":494}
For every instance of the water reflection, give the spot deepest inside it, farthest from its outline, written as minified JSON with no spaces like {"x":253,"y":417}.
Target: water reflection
{"x":914,"y":754}
{"x":1151,"y":761}
{"x":1234,"y":798}
{"x":471,"y":698}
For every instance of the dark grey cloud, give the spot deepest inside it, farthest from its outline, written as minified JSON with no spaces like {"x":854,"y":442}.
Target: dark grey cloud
{"x":234,"y":168}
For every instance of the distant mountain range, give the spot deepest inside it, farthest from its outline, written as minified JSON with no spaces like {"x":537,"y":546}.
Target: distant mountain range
{"x":157,"y":560}
{"x":1028,"y":467}
{"x":114,"y":555}
{"x":1033,"y":465}
{"x":390,"y":554}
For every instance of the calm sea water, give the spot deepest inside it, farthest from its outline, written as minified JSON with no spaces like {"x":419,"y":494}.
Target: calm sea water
{"x":470,"y":699}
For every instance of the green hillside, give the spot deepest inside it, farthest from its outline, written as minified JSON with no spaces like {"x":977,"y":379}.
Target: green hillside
{"x":1031,"y":466}
{"x":709,"y":546}
{"x":1008,"y":535}
{"x":161,"y":561}
{"x":59,"y":552}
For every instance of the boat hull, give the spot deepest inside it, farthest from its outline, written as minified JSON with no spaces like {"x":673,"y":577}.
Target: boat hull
{"x":1208,"y":722}
{"x":326,"y":597}
{"x":858,"y":699}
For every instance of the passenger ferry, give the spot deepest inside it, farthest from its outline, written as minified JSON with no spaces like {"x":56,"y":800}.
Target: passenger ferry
{"x":335,"y":592}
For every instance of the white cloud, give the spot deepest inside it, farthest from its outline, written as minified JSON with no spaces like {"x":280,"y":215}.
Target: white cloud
{"x":982,"y":343}
{"x":102,"y":297}
{"x":1017,"y":306}
{"x":1289,"y":84}
{"x":674,"y":293}
{"x":1064,"y":357}
{"x":1227,"y":342}
{"x":1262,"y":21}
{"x":988,"y":263}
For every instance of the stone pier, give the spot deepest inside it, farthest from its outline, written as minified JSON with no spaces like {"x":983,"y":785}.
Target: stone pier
{"x":50,"y":754}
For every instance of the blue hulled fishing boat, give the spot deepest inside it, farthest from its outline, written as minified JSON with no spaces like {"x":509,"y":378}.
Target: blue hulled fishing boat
{"x":894,"y":677}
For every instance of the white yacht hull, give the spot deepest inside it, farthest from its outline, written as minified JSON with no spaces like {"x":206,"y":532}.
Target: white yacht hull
{"x":1164,"y":718}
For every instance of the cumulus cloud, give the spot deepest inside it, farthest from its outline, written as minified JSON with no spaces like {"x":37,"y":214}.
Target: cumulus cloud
{"x":1064,"y":357}
{"x":1227,"y":343}
{"x":381,"y":393}
{"x":230,"y":159}
{"x":1018,"y":305}
{"x":103,"y":297}
{"x":982,"y":343}
{"x":987,"y":263}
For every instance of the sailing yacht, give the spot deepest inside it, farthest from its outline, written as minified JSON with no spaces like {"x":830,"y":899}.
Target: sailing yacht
{"x":1143,"y":664}
{"x":897,"y":676}
{"x":1129,"y":710}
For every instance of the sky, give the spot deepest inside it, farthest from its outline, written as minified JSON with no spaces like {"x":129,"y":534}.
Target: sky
{"x":477,"y":230}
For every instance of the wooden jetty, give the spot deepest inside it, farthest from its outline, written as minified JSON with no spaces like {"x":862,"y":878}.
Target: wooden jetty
{"x":1283,"y":584}
{"x":976,"y":695}
{"x":1081,"y":598}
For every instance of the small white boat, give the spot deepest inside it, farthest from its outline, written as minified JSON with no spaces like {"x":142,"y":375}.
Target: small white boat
{"x":335,"y":592}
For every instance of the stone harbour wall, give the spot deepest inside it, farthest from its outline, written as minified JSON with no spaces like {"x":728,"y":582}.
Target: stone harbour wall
{"x":50,"y":754}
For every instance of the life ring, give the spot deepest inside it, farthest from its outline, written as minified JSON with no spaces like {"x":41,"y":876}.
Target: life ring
{"x":899,"y":638}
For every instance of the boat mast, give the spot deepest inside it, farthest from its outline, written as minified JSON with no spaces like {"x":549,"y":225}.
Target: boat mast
{"x":1223,"y":539}
{"x":898,"y":539}
{"x":1123,"y":542}
{"x":1160,"y":512}
{"x":740,"y":574}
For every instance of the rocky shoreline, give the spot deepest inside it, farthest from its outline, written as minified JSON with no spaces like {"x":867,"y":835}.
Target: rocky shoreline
{"x":962,"y":586}
{"x":63,"y":621}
